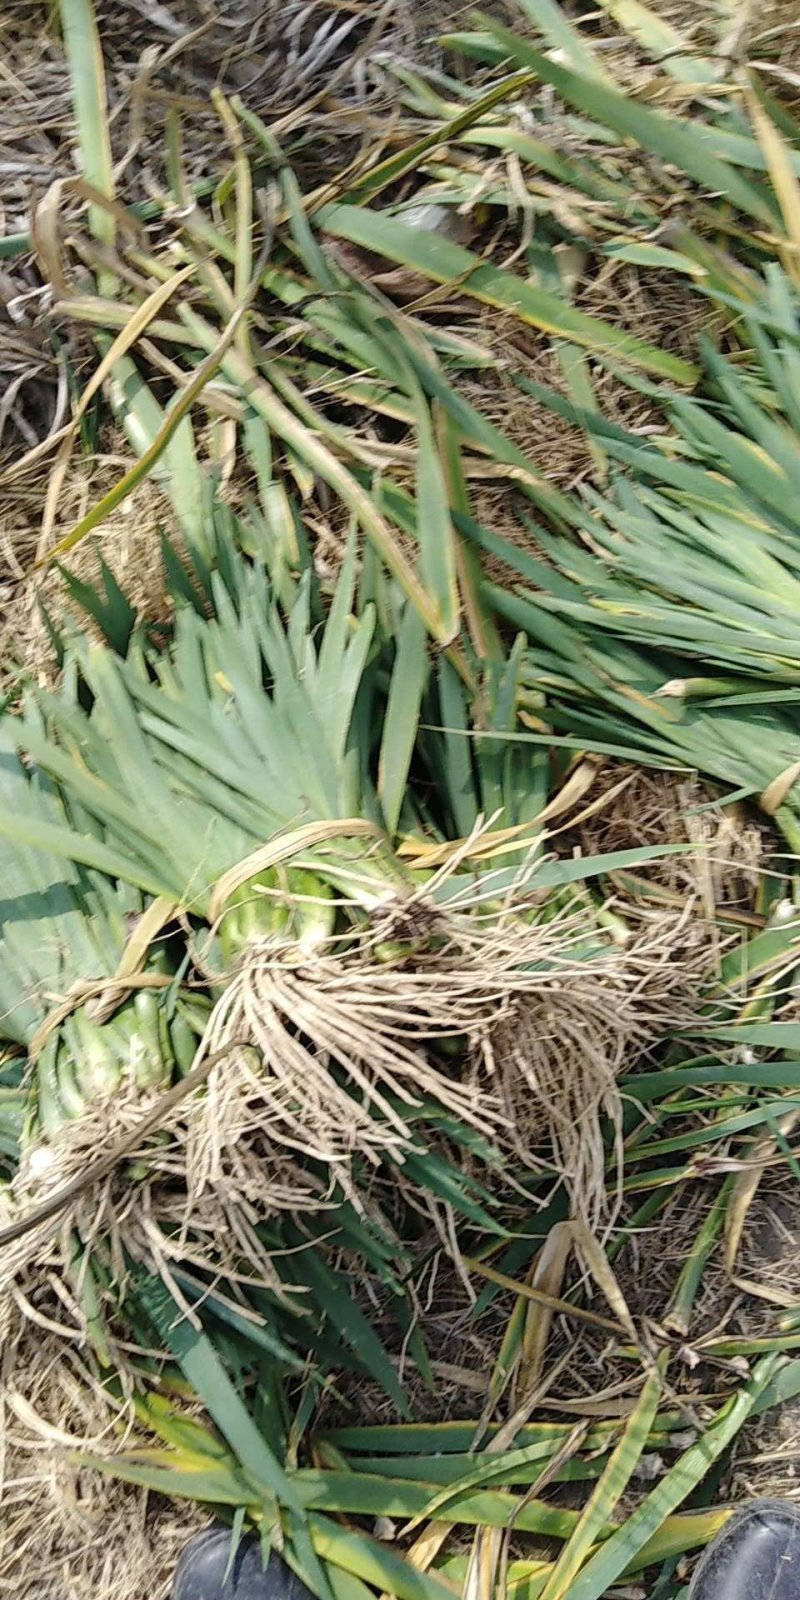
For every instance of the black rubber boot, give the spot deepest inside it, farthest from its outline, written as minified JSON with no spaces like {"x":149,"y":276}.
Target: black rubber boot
{"x":201,"y":1570}
{"x":755,"y":1557}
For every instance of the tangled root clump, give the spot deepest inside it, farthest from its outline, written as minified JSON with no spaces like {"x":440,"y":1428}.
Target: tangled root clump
{"x":56,"y":1166}
{"x":326,"y":1058}
{"x":320,"y":1070}
{"x":331,"y":1051}
{"x":561,"y":1052}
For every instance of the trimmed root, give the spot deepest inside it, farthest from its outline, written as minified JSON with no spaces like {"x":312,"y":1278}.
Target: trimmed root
{"x":560,"y":1054}
{"x":100,"y":1209}
{"x":328,"y":1058}
{"x":325,"y":1068}
{"x":332,"y":1052}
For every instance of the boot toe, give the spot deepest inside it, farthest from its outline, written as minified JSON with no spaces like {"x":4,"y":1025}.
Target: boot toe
{"x":206,"y":1572}
{"x":755,"y":1557}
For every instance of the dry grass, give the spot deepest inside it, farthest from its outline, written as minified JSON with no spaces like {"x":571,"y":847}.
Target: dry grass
{"x":766,"y":35}
{"x":129,"y":542}
{"x":658,"y":808}
{"x":69,"y":1533}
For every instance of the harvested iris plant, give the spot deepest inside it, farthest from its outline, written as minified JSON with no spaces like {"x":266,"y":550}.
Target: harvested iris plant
{"x":358,"y":972}
{"x":344,"y":1080}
